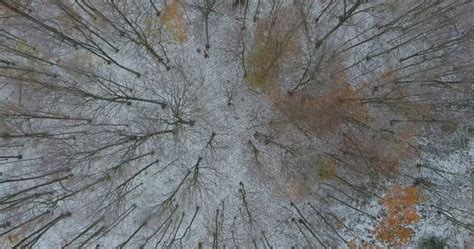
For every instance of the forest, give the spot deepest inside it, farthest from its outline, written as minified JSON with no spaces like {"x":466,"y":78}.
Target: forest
{"x":236,"y":124}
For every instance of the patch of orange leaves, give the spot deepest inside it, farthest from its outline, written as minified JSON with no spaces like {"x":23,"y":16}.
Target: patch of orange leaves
{"x":401,"y":212}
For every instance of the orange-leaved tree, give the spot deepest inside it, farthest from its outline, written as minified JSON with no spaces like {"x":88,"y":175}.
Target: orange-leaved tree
{"x":401,"y":212}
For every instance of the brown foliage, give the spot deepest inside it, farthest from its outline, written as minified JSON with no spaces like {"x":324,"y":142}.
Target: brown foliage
{"x":352,"y":244}
{"x":172,"y":18}
{"x":276,"y":43}
{"x":380,"y":152}
{"x":309,"y":170}
{"x":407,"y":99}
{"x":326,"y":169}
{"x":67,"y":17}
{"x":325,"y":111}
